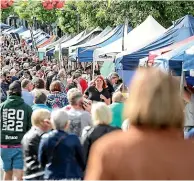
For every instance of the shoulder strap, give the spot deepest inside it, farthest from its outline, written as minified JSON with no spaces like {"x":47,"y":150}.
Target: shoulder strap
{"x":57,"y":143}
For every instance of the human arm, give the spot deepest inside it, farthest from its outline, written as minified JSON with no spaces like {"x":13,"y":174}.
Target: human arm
{"x":29,"y":125}
{"x":79,"y":153}
{"x":187,"y":95}
{"x":42,"y":153}
{"x":78,"y":85}
{"x":106,"y":100}
{"x":86,"y":143}
{"x":86,"y":93}
{"x":96,"y":165}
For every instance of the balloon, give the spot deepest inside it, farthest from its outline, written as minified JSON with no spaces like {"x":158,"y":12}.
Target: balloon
{"x":59,"y":5}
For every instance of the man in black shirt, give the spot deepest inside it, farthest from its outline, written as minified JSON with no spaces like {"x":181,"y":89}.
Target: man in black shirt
{"x":110,"y":81}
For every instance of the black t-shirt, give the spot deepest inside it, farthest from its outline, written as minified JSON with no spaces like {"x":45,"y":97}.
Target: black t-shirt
{"x":94,"y":95}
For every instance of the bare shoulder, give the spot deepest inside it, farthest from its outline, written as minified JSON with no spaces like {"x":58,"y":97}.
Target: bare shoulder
{"x":111,"y":142}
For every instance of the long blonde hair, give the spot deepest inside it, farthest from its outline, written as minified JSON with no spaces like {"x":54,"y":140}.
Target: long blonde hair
{"x":154,"y":100}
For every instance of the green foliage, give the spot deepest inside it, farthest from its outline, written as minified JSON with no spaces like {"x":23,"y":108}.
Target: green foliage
{"x":101,"y":13}
{"x":28,"y":10}
{"x":6,"y":12}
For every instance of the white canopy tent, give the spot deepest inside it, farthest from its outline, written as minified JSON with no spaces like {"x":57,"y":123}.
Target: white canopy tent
{"x":138,"y":38}
{"x":53,"y":44}
{"x":77,"y":39}
{"x":99,"y":38}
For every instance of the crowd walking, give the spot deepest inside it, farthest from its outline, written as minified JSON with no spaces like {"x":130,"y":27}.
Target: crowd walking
{"x":55,"y":126}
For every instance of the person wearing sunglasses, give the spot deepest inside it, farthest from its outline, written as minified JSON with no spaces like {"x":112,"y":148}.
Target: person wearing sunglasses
{"x":6,"y":82}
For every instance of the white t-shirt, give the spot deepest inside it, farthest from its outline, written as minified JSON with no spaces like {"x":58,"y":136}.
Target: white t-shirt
{"x":189,"y":112}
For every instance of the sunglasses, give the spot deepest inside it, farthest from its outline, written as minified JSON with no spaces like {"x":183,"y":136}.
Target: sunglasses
{"x":8,"y":77}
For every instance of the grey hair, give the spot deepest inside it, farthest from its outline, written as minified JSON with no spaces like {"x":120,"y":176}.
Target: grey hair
{"x":71,"y":91}
{"x":59,"y":119}
{"x":113,"y":74}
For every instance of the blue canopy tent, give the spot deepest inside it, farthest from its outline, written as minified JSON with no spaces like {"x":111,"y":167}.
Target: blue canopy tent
{"x":175,"y":59}
{"x":50,"y":52}
{"x":7,"y":31}
{"x":85,"y":54}
{"x":189,"y":59}
{"x":4,"y":26}
{"x":51,"y":47}
{"x":180,"y":30}
{"x":19,"y":30}
{"x":188,"y":66}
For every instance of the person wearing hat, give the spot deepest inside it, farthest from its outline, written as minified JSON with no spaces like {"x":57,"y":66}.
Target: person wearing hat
{"x":15,"y":122}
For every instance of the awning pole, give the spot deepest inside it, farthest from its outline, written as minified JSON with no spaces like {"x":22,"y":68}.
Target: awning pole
{"x":182,"y":80}
{"x":93,"y":74}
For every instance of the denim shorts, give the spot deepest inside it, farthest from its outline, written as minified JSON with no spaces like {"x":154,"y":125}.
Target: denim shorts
{"x":12,"y":158}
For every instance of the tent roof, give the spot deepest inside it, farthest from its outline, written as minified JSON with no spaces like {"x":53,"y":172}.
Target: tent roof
{"x":4,"y":26}
{"x":19,"y":30}
{"x":180,"y":30}
{"x":52,"y":45}
{"x":173,"y":59}
{"x":79,"y":38}
{"x":85,"y":54}
{"x":51,"y":39}
{"x":176,"y":54}
{"x":92,"y":41}
{"x":154,"y":54}
{"x":137,"y":38}
{"x":189,"y":59}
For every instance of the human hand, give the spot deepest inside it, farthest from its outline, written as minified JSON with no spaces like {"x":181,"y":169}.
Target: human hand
{"x":102,"y":97}
{"x":87,"y":106}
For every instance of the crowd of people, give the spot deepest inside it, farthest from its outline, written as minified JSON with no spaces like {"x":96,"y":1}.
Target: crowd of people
{"x":57,"y":125}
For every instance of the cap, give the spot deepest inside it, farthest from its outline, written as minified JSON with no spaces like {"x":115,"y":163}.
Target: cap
{"x":15,"y":87}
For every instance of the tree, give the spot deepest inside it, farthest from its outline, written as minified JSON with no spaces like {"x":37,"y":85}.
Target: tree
{"x":69,"y":18}
{"x":5,"y":13}
{"x":82,"y":14}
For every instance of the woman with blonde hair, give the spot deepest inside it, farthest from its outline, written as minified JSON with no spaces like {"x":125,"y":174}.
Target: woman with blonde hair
{"x":102,"y":117}
{"x":117,"y":108}
{"x":153,"y":148}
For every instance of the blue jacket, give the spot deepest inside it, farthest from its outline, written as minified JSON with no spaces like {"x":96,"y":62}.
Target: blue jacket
{"x":64,"y":161}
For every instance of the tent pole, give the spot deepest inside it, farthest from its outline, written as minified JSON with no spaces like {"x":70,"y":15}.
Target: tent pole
{"x":123,"y":44}
{"x":93,"y":75}
{"x":60,"y":61}
{"x":182,"y":80}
